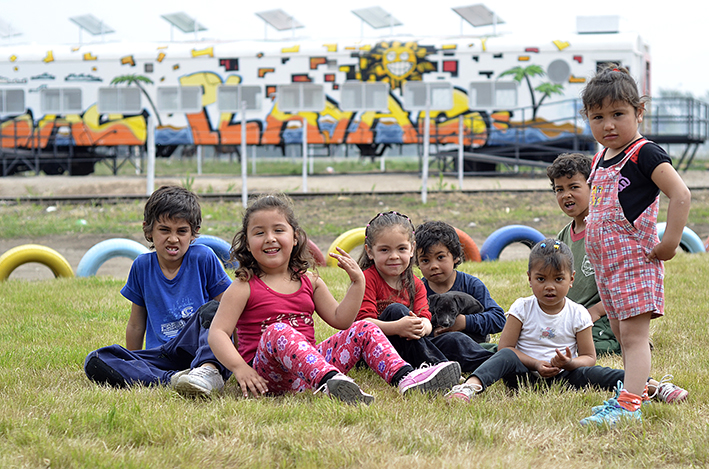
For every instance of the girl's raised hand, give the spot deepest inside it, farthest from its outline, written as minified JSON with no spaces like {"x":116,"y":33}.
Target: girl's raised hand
{"x":349,"y":265}
{"x":249,"y":380}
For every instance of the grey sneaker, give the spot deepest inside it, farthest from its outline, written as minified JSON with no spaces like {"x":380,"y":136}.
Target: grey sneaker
{"x":344,"y":388}
{"x":176,"y":377}
{"x":200,"y":382}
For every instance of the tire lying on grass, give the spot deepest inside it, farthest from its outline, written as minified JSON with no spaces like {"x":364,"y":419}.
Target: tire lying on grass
{"x":346,"y":241}
{"x":690,"y":242}
{"x":220,"y":247}
{"x":105,"y":250}
{"x":470,"y":249}
{"x":500,"y":239}
{"x":26,"y":253}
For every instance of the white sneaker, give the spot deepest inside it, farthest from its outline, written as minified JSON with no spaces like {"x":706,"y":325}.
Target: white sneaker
{"x":463,"y":392}
{"x":344,"y":388}
{"x":200,"y":382}
{"x":176,"y":377}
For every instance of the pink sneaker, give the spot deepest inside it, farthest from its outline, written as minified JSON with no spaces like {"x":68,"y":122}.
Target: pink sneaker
{"x":670,"y":393}
{"x":439,"y":377}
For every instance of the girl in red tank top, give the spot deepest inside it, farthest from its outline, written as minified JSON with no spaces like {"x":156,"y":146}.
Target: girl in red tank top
{"x":271,"y":305}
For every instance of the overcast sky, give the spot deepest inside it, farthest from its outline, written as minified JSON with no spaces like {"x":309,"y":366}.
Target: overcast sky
{"x":676,"y":31}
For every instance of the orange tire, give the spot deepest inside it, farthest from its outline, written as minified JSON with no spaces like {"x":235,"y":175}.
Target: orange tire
{"x":319,"y":257}
{"x":470,"y":249}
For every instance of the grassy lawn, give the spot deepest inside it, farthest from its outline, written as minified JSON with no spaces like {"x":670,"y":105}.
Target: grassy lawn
{"x":52,"y":416}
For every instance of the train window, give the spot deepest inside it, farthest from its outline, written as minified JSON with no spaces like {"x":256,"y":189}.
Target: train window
{"x":60,"y":100}
{"x":231,"y":97}
{"x":364,"y":96}
{"x":113,"y":100}
{"x":505,"y":94}
{"x":301,"y":97}
{"x":12,"y":101}
{"x":480,"y":94}
{"x":180,"y":99}
{"x":419,"y":95}
{"x":492,"y":94}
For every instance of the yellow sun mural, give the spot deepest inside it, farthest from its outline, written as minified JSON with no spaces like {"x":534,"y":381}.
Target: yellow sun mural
{"x":396,"y":62}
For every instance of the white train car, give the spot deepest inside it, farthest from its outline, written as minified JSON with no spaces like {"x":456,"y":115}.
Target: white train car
{"x":508,"y":90}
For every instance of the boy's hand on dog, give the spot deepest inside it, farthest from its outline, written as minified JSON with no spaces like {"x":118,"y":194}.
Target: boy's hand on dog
{"x":458,"y":325}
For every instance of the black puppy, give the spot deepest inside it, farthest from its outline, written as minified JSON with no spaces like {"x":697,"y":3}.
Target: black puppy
{"x":445,"y":307}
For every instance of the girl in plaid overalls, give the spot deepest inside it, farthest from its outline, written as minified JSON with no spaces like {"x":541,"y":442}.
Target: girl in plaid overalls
{"x":621,"y":233}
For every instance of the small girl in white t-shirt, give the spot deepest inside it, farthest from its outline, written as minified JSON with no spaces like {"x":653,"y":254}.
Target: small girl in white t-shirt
{"x":546,"y":336}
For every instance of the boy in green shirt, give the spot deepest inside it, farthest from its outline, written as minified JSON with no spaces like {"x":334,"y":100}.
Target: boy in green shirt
{"x":568,"y":175}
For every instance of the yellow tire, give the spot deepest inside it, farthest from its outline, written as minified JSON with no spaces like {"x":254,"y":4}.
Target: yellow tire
{"x":347,"y":241}
{"x":26,"y":253}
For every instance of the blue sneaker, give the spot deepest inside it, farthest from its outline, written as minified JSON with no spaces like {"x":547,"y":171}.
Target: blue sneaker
{"x":611,"y":414}
{"x":612,"y":401}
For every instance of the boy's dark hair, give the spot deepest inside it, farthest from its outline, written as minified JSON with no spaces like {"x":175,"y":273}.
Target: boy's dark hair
{"x":551,"y":252}
{"x":386,"y":221}
{"x":171,"y":202}
{"x":300,"y":259}
{"x":568,"y":165}
{"x":430,"y":233}
{"x":613,"y":83}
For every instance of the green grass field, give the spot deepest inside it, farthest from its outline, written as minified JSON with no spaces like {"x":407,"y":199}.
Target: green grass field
{"x":51,"y":415}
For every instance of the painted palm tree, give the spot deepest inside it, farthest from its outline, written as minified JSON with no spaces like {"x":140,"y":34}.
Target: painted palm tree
{"x":546,"y":88}
{"x":137,"y":80}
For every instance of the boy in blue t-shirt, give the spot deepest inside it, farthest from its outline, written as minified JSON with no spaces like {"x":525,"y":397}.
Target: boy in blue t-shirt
{"x":438,"y":253}
{"x":166,"y":288}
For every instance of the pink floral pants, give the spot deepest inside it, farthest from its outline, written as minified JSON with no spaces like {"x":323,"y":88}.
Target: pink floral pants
{"x":290,"y":363}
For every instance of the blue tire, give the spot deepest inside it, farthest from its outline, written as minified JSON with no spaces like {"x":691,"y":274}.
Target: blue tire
{"x":105,"y":250}
{"x":220,"y":247}
{"x":500,"y":239}
{"x":690,"y":242}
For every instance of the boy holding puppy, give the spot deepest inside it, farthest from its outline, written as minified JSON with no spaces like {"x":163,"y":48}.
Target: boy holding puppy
{"x":438,"y":253}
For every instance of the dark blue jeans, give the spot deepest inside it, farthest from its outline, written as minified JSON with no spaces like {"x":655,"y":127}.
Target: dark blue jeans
{"x":120,"y":367}
{"x":453,"y":346}
{"x":505,"y":365}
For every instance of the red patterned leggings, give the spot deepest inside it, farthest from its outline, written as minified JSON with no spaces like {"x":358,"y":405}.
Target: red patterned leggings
{"x":289,"y":363}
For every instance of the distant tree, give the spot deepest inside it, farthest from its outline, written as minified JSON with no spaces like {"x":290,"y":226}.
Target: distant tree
{"x":137,"y":80}
{"x":526,"y":73}
{"x":668,"y":93}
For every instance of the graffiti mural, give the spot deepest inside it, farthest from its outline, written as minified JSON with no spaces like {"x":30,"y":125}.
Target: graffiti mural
{"x":477,"y":68}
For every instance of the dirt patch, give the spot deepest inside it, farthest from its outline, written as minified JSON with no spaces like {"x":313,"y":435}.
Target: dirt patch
{"x":324,"y":218}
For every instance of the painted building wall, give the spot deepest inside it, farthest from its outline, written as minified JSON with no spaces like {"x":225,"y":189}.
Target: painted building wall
{"x":562,"y":65}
